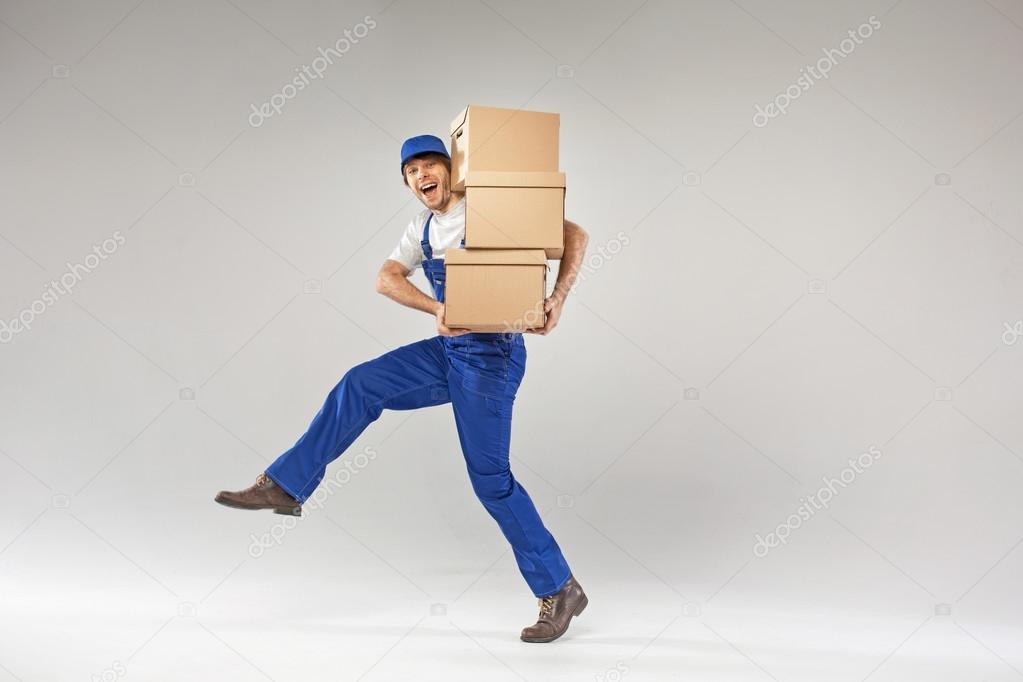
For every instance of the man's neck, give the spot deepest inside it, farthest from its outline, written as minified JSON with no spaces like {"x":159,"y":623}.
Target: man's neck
{"x":452,"y":202}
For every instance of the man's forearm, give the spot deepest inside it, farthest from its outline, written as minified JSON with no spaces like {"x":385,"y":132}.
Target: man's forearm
{"x":398,"y":288}
{"x":571,"y":260}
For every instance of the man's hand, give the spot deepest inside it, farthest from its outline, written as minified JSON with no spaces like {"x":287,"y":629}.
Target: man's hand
{"x":442,"y":328}
{"x":551,"y":306}
{"x":575,"y":246}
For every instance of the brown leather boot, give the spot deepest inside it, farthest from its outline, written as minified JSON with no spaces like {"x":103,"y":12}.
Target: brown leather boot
{"x":264,"y":494}
{"x":556,"y":612}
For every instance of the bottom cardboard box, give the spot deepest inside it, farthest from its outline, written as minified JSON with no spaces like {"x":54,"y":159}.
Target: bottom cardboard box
{"x":495,"y":290}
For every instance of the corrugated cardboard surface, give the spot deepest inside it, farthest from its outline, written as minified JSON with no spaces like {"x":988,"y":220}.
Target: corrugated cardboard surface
{"x":469,"y":256}
{"x":515,"y":218}
{"x":492,"y":139}
{"x":495,"y":290}
{"x":514,"y":179}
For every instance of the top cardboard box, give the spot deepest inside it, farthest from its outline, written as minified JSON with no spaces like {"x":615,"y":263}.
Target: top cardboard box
{"x":491,"y":139}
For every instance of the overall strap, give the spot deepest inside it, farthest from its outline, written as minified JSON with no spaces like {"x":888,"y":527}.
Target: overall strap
{"x":425,"y":242}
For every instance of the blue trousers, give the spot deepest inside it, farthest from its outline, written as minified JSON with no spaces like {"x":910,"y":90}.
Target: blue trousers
{"x":478,"y":374}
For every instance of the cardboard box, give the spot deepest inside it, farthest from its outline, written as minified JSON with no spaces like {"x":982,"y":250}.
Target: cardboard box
{"x":495,"y":290}
{"x":491,"y":139}
{"x":515,"y":211}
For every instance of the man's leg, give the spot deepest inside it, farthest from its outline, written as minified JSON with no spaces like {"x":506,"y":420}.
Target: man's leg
{"x":484,"y":430}
{"x":406,"y":378}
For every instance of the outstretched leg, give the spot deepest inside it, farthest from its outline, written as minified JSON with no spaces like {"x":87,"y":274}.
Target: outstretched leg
{"x":406,"y":378}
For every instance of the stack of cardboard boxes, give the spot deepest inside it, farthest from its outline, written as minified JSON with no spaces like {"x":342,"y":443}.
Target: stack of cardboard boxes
{"x":506,"y":162}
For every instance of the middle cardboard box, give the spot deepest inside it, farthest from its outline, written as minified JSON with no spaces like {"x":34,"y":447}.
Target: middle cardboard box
{"x":515,"y":210}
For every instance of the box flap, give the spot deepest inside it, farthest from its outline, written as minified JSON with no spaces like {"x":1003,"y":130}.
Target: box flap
{"x":495,"y":257}
{"x":513,"y":179}
{"x":459,"y":120}
{"x":464,"y":114}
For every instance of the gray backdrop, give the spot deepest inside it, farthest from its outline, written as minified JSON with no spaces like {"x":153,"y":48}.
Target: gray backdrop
{"x":789,"y":269}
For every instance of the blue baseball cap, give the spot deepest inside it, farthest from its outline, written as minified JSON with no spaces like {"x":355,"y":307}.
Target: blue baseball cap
{"x":421,"y":144}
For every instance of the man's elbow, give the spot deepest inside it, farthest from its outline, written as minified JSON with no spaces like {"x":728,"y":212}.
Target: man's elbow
{"x":577,"y":234}
{"x":383,"y":284}
{"x":389,"y":278}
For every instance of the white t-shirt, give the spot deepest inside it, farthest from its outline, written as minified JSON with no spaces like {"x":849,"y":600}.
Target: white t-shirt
{"x":446,"y":232}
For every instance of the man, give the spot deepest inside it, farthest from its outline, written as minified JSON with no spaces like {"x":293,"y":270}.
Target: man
{"x":477,"y":373}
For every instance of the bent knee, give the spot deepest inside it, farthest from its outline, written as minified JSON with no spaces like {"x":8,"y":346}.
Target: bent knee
{"x":357,"y":385}
{"x":493,"y":486}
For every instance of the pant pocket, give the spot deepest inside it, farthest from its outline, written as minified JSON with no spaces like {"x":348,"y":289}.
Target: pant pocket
{"x":484,"y":368}
{"x":495,"y":406}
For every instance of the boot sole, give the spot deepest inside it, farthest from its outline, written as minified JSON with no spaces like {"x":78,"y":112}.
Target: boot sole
{"x":286,"y":511}
{"x":543,"y":640}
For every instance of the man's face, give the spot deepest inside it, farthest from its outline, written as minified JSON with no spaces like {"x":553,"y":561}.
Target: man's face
{"x":427,"y":177}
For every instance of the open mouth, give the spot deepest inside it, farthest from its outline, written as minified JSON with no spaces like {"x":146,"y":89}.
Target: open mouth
{"x":429,"y":190}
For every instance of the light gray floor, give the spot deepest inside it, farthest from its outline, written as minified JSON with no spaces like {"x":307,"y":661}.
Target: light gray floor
{"x":765,"y":300}
{"x":320,"y":606}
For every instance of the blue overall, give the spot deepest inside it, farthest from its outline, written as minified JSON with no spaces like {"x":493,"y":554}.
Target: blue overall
{"x":479,"y":375}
